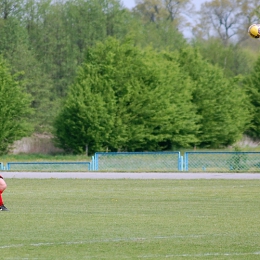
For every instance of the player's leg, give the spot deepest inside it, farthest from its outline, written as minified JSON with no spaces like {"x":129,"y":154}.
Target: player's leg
{"x":3,"y":186}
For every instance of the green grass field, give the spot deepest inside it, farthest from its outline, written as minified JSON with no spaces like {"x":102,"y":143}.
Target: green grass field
{"x":131,"y":219}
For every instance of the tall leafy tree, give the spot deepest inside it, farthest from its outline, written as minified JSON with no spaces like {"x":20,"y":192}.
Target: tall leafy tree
{"x":251,"y":84}
{"x":60,"y":32}
{"x":221,"y":17}
{"x":14,"y":108}
{"x":227,"y":20}
{"x":16,"y":49}
{"x":161,"y":36}
{"x":222,"y":104}
{"x":232,"y":58}
{"x":10,"y":8}
{"x":47,"y":41}
{"x":127,"y":99}
{"x":161,"y":23}
{"x":171,"y":10}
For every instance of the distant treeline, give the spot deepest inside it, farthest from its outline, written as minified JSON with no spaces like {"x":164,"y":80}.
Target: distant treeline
{"x":145,"y":88}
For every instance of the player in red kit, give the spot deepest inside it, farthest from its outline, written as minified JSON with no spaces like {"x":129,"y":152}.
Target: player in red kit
{"x":2,"y":188}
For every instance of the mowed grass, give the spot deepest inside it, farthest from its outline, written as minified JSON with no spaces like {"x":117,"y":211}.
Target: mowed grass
{"x":131,"y":219}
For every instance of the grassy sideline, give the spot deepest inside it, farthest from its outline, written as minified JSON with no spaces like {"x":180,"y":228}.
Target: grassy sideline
{"x":42,"y":157}
{"x":131,"y":219}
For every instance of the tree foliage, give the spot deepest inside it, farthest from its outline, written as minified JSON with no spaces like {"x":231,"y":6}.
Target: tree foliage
{"x":127,"y":99}
{"x":251,"y":84}
{"x":155,"y":11}
{"x":222,"y":104}
{"x":227,"y":20}
{"x":14,"y":108}
{"x":46,"y":42}
{"x":232,"y":58}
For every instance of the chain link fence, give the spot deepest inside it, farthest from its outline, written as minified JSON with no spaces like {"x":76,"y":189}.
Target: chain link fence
{"x":49,"y":166}
{"x":222,"y":161}
{"x":137,"y":161}
{"x":152,"y":162}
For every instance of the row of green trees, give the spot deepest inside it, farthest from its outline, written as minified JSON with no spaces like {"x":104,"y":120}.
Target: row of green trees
{"x":155,"y":91}
{"x":15,"y":107}
{"x":127,"y":98}
{"x":47,"y":41}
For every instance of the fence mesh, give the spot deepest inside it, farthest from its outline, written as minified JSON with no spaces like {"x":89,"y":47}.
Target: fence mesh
{"x":49,"y":166}
{"x":151,"y":161}
{"x":222,"y":161}
{"x":145,"y":161}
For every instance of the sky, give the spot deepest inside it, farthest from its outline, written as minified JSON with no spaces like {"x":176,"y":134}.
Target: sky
{"x":131,"y":3}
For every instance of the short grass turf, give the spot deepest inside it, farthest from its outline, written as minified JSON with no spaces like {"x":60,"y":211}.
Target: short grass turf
{"x":131,"y":219}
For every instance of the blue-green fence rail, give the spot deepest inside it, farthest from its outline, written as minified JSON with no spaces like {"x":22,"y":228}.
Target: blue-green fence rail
{"x":151,"y":161}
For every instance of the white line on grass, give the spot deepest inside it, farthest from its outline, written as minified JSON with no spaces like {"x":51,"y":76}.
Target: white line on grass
{"x":136,"y":240}
{"x":108,"y":240}
{"x":199,"y":255}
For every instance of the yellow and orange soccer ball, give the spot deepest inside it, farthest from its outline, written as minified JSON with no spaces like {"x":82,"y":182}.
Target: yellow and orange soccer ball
{"x":254,"y":31}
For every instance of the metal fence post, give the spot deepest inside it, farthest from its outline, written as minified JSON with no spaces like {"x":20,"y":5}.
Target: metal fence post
{"x":186,"y":167}
{"x":181,"y":163}
{"x":96,"y":162}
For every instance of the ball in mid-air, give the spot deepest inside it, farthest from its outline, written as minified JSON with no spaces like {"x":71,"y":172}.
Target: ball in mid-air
{"x":254,"y":31}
